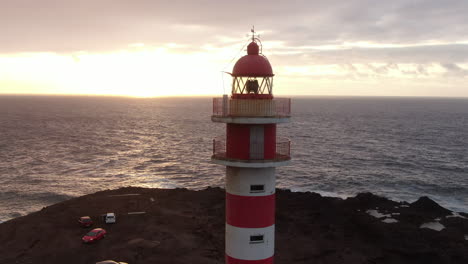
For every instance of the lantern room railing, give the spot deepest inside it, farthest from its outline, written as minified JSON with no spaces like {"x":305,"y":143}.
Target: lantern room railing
{"x":282,"y":151}
{"x":228,"y":107}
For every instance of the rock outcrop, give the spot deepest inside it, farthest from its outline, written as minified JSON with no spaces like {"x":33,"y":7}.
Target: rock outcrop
{"x":183,"y":226}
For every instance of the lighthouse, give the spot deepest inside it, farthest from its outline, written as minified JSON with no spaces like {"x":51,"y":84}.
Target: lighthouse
{"x":251,"y":151}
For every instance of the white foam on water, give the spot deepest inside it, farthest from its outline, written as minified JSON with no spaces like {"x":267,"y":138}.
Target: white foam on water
{"x":433,"y":225}
{"x":390,"y":220}
{"x":324,"y":193}
{"x":121,"y":195}
{"x":376,"y":214}
{"x":455,"y":214}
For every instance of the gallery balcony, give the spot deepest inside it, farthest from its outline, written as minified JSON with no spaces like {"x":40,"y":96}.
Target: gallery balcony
{"x":256,"y":158}
{"x":251,"y":111}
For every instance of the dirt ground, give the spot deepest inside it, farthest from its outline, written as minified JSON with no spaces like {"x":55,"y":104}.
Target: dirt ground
{"x":183,"y":226}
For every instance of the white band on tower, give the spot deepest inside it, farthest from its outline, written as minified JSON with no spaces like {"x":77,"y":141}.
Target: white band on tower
{"x":250,"y":243}
{"x":240,"y":181}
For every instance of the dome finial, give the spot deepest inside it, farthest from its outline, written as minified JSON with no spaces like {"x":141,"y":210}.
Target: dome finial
{"x":253,"y":48}
{"x":253,"y":32}
{"x":254,"y":35}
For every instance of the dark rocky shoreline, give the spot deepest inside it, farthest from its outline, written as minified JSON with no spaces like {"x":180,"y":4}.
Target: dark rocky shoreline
{"x":183,"y":226}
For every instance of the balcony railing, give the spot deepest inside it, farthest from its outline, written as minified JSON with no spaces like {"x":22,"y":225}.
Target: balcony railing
{"x":227,"y":107}
{"x":282,"y":151}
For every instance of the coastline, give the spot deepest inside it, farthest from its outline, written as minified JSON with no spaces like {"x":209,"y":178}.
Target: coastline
{"x":181,"y":226}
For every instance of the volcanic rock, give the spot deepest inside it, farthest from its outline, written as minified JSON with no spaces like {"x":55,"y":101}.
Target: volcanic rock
{"x":183,"y":226}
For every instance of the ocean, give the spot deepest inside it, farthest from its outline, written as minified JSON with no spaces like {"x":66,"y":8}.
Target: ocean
{"x":53,"y":148}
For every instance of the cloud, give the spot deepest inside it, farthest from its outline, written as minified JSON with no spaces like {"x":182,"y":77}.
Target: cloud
{"x":357,"y":40}
{"x":421,"y":54}
{"x":67,"y":25}
{"x":453,"y":70}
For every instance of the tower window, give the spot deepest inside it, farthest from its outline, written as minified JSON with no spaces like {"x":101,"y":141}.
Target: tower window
{"x":256,"y":239}
{"x":257,"y":188}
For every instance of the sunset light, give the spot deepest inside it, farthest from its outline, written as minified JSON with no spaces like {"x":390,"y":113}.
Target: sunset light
{"x":235,"y":132}
{"x":172,"y":70}
{"x":154,"y":49}
{"x":138,"y":72}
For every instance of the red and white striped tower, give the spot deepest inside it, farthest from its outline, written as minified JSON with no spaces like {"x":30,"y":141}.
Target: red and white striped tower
{"x":251,"y":151}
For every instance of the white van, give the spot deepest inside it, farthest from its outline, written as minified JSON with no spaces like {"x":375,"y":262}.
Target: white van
{"x":110,"y":218}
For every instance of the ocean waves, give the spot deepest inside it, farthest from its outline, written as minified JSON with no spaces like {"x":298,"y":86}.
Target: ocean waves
{"x":54,"y":148}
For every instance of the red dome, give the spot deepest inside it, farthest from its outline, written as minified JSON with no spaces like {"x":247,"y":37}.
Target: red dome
{"x":253,"y":49}
{"x":253,"y":64}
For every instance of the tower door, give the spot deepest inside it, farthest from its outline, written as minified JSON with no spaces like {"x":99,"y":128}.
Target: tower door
{"x":256,"y":142}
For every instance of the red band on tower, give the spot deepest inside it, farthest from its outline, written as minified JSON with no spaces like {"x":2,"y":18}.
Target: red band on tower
{"x":230,"y":260}
{"x":250,"y":211}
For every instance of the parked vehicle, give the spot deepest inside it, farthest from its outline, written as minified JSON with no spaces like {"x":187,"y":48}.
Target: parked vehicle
{"x":85,"y":221}
{"x":94,"y":235}
{"x":110,"y":262}
{"x":110,"y":218}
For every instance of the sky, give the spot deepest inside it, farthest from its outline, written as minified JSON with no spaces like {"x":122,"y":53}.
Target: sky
{"x":150,"y":48}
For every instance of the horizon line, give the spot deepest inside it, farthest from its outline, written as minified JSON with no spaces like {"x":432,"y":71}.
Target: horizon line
{"x":218,"y":95}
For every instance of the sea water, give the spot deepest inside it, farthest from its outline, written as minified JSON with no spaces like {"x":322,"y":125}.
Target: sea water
{"x":54,"y":148}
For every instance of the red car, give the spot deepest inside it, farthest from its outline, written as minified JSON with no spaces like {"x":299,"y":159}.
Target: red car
{"x":85,"y":221}
{"x":94,"y":235}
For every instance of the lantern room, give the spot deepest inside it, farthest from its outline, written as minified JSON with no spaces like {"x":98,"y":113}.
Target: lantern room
{"x":252,"y":75}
